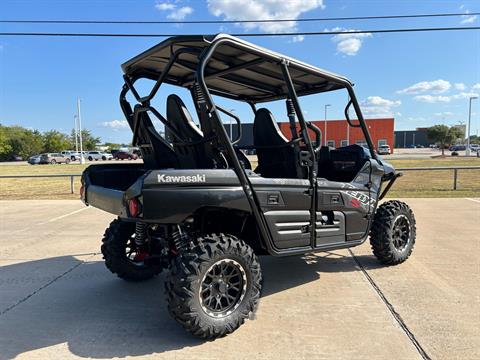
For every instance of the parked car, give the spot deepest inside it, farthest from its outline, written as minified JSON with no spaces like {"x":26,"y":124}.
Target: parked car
{"x":384,"y":150}
{"x":73,"y":155}
{"x":122,"y":155}
{"x":35,"y":159}
{"x":474,"y":147}
{"x":98,"y":155}
{"x":54,"y":158}
{"x":457,"y":148}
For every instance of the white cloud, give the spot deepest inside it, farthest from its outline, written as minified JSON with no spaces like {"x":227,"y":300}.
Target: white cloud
{"x":348,"y":44}
{"x":265,"y":10}
{"x":298,"y":38}
{"x":476,"y":86}
{"x":378,"y":106}
{"x":164,"y":6}
{"x":464,"y":95}
{"x":116,"y":124}
{"x":435,"y":86}
{"x":460,"y":86}
{"x":445,"y":99}
{"x":180,"y":13}
{"x":443,"y":114}
{"x":175,"y":13}
{"x":432,"y":98}
{"x":467,"y":19}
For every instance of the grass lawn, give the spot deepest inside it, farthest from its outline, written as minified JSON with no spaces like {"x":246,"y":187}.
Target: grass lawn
{"x":412,"y":184}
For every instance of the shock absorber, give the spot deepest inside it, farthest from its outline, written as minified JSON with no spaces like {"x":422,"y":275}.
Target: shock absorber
{"x":291,"y":118}
{"x":140,"y":233}
{"x":179,"y":239}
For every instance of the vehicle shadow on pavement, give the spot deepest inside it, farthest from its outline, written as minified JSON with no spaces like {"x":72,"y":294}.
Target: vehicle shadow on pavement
{"x":285,"y":273}
{"x":100,"y":316}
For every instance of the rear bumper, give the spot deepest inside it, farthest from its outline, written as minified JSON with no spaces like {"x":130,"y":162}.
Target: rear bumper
{"x":109,"y":200}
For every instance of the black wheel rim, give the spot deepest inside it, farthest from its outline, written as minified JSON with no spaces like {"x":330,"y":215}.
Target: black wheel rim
{"x":401,"y":232}
{"x":223,"y":288}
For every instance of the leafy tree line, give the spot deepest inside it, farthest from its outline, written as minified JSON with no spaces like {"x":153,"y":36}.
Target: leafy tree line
{"x":19,"y":141}
{"x":444,"y":136}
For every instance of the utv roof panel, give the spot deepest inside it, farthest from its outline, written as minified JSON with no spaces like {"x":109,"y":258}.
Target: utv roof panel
{"x":237,"y":68}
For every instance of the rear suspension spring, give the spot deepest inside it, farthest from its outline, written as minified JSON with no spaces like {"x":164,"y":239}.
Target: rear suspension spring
{"x":140,"y":233}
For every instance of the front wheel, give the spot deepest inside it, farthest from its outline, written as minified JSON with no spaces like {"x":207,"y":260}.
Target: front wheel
{"x":214,"y":286}
{"x":393,"y":232}
{"x":124,"y":258}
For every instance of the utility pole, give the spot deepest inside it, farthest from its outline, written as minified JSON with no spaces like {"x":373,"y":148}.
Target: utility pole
{"x":467,"y":149}
{"x":325,"y":125}
{"x":82,"y":160}
{"x":76,"y":132}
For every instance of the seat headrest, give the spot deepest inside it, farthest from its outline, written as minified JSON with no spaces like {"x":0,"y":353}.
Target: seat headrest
{"x":265,"y":129}
{"x":181,"y":120}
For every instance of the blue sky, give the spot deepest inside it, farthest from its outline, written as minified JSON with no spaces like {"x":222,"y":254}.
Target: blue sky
{"x":419,"y":78}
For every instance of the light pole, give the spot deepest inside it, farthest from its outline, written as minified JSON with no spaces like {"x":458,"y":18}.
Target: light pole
{"x":76,"y":132}
{"x":467,"y":150}
{"x":231,"y":131}
{"x":325,"y":126}
{"x":82,"y":160}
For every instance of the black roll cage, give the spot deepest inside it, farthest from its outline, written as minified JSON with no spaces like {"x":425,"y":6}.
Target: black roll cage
{"x":203,"y":100}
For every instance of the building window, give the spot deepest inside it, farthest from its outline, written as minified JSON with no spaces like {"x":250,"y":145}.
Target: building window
{"x":382,"y":142}
{"x":343,"y":143}
{"x":331,"y":143}
{"x":361,"y":143}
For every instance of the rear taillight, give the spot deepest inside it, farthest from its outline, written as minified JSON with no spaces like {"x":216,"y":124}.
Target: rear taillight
{"x":134,"y":207}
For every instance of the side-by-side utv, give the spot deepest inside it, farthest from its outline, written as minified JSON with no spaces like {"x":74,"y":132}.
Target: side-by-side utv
{"x":197,"y":208}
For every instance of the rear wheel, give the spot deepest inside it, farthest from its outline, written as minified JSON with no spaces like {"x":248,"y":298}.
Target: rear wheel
{"x":90,"y":158}
{"x":53,"y":162}
{"x":124,"y":258}
{"x":393,"y":232}
{"x":214,"y":286}
{"x":67,"y":161}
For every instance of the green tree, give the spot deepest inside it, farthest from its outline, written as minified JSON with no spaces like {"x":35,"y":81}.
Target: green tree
{"x":89,"y":141}
{"x":444,"y":135}
{"x":22,"y":142}
{"x":5,"y":148}
{"x":54,"y":141}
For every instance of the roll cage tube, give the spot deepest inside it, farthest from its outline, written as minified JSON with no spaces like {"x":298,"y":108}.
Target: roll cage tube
{"x":312,"y":176}
{"x":244,"y":181}
{"x":361,"y":120}
{"x":237,"y":120}
{"x":132,"y":115}
{"x":242,"y":177}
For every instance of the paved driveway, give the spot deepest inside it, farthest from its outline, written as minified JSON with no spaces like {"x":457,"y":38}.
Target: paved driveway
{"x":57,"y":300}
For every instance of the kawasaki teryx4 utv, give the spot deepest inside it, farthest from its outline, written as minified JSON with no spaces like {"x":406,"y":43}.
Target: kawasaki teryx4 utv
{"x":197,"y":208}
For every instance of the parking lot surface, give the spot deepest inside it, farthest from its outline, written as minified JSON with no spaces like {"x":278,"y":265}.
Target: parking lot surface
{"x":58,"y":301}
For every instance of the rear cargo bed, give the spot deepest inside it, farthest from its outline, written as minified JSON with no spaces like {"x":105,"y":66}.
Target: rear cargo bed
{"x":106,"y":185}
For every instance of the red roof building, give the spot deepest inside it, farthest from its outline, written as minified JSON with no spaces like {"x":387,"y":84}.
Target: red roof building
{"x":340,"y":134}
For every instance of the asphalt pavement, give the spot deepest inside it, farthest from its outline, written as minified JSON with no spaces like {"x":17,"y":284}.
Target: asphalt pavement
{"x":58,"y":301}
